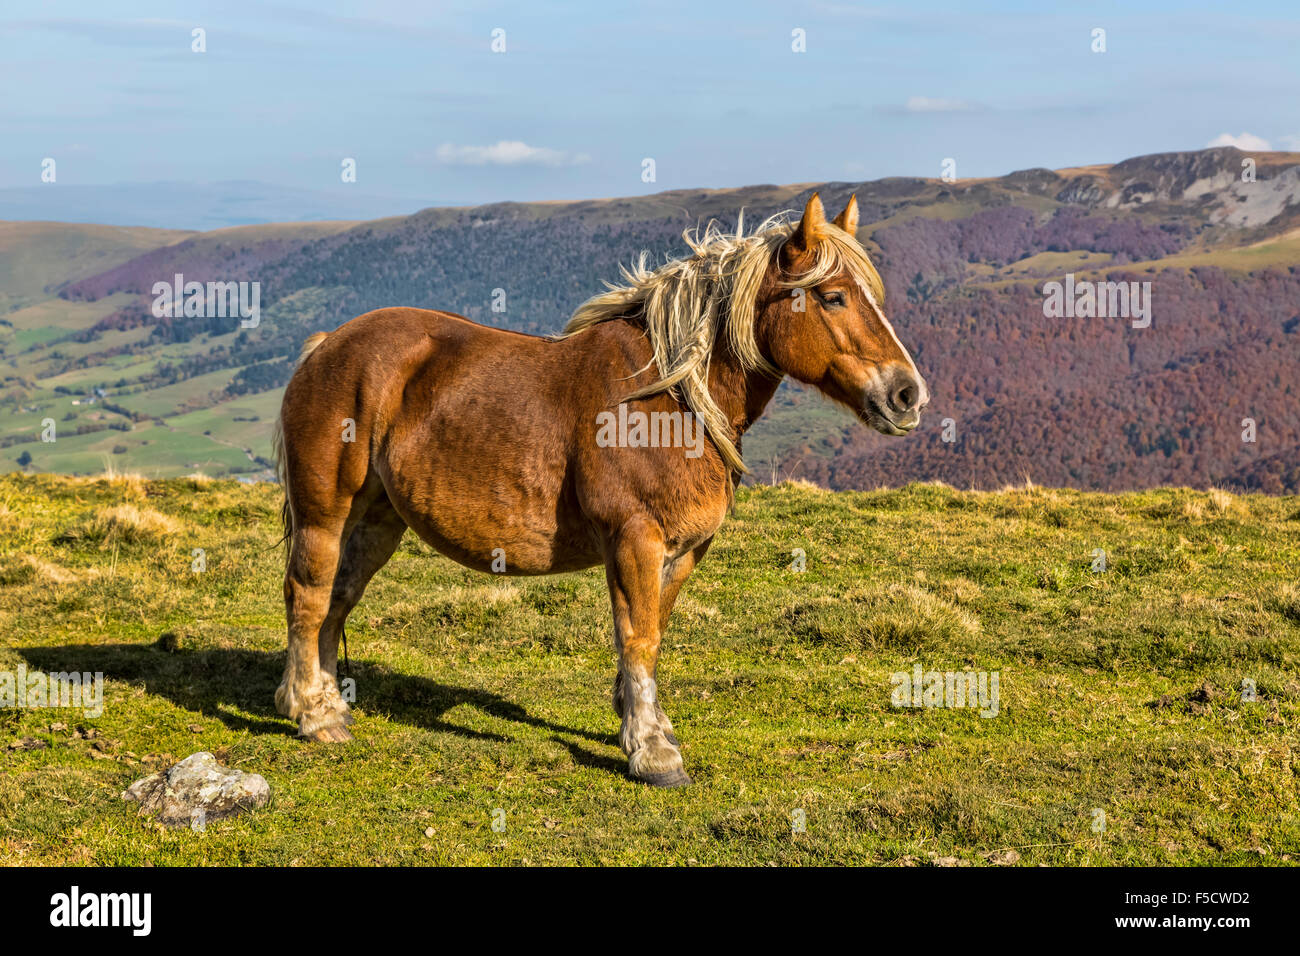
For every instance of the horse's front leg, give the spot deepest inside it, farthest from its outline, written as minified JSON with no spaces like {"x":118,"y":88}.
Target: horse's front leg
{"x":633,"y":567}
{"x":674,"y":575}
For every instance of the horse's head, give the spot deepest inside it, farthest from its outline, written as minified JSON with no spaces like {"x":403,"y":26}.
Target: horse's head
{"x":823,"y":323}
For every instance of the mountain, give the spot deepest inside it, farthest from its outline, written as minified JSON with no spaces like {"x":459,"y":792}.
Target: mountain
{"x":1077,"y":401}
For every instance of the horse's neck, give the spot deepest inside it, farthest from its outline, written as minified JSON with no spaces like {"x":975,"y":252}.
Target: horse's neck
{"x":741,"y":394}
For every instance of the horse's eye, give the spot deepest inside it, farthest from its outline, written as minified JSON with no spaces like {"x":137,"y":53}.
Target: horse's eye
{"x":833,"y":298}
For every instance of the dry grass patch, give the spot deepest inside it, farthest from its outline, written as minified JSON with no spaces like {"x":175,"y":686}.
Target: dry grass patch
{"x":802,"y":484}
{"x":127,"y":486}
{"x":123,"y":524}
{"x":29,"y":569}
{"x":896,"y":616}
{"x":962,"y":590}
{"x":1220,"y":501}
{"x":46,"y":572}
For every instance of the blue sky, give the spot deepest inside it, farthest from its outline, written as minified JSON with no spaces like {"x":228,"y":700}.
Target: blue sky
{"x":585,"y":91}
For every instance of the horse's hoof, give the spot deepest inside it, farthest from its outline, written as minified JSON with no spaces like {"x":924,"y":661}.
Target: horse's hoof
{"x":329,"y":735}
{"x":668,"y":778}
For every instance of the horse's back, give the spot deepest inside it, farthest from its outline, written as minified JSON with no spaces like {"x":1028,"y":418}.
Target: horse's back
{"x":403,"y":334}
{"x":400,"y":357}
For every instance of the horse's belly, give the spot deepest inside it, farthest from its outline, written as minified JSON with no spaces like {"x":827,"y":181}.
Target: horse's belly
{"x":493,"y":515}
{"x":509,"y":550}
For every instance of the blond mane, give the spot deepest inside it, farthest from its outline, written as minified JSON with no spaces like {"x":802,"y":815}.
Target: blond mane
{"x":683,"y":304}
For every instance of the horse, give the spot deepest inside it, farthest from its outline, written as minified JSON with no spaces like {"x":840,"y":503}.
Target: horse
{"x":495,"y":446}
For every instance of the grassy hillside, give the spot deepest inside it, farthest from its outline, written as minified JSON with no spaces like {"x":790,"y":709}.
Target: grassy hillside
{"x":35,"y":256}
{"x":1119,"y":690}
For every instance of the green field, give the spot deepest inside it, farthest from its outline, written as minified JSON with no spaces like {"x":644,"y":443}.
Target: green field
{"x":45,"y":373}
{"x":151,"y":450}
{"x":1120,"y":691}
{"x":205,"y":431}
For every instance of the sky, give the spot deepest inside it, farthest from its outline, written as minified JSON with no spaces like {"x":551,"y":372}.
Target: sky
{"x":715,"y":93}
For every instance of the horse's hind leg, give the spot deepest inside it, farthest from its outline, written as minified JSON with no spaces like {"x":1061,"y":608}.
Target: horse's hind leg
{"x":371,"y":543}
{"x":308,"y":582}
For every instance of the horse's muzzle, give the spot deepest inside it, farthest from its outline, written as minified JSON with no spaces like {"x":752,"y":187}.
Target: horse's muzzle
{"x":893,"y":406}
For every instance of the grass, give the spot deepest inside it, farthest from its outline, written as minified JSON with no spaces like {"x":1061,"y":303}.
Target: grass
{"x":1119,"y":690}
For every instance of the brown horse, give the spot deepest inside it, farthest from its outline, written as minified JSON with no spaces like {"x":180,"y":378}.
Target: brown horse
{"x":615,"y":443}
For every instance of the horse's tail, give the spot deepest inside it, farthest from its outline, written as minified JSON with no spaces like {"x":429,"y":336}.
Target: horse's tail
{"x":277,"y":445}
{"x":309,"y":346}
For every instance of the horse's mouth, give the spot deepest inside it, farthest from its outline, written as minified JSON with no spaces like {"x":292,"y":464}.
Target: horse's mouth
{"x":877,"y":419}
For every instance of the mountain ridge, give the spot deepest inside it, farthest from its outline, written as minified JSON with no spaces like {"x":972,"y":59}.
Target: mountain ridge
{"x":963,"y":263}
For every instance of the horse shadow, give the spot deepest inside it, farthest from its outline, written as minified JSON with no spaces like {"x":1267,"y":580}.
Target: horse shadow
{"x":237,"y":687}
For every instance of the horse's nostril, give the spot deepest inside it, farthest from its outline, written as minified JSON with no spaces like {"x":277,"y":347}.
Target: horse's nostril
{"x":904,"y":399}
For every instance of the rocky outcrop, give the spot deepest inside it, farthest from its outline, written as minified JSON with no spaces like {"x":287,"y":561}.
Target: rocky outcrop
{"x":196,"y":791}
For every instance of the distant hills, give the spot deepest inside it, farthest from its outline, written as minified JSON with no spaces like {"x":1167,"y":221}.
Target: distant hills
{"x":198,"y":206}
{"x":1086,"y":402}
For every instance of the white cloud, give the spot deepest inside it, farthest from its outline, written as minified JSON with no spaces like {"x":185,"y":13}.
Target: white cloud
{"x":927,"y":104}
{"x":1292,"y":142}
{"x":1246,"y":141}
{"x":508,"y":152}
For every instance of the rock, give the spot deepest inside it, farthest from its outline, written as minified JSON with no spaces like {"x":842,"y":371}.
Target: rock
{"x":198,"y":783}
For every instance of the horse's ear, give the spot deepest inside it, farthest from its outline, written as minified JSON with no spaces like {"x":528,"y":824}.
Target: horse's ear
{"x":848,"y":219}
{"x":811,"y":228}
